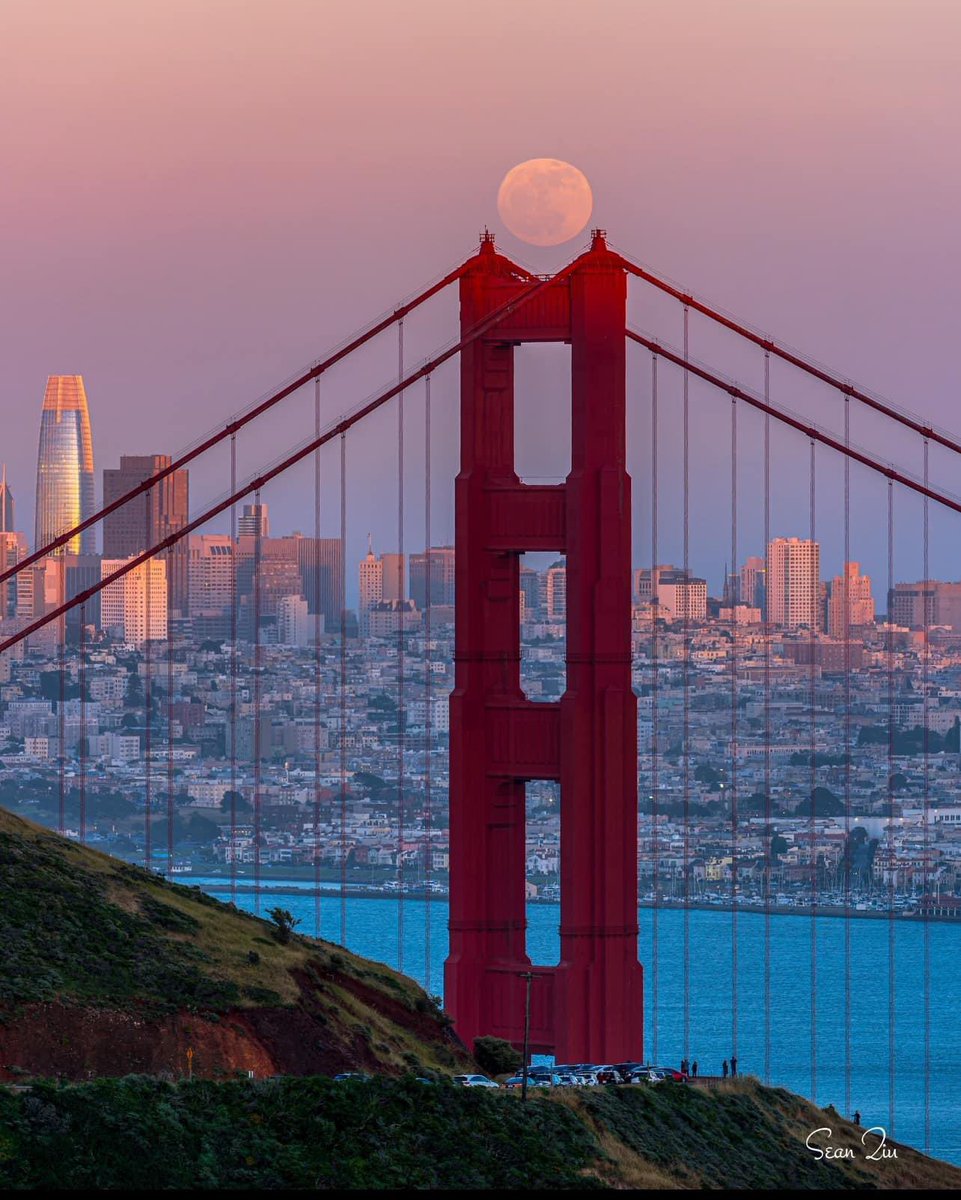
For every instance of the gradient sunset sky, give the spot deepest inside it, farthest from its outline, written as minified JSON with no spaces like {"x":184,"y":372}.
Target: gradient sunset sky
{"x":201,"y":196}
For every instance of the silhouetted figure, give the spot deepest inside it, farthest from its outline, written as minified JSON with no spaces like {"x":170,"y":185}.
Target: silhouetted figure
{"x":724,"y":1069}
{"x":694,"y":1069}
{"x":684,"y":1065}
{"x":857,"y":1117}
{"x":733,"y":1066}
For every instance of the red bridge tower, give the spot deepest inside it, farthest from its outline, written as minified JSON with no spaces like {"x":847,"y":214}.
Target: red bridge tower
{"x":589,"y":1007}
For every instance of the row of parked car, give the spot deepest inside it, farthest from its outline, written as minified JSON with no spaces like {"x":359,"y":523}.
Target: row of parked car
{"x":580,"y":1075}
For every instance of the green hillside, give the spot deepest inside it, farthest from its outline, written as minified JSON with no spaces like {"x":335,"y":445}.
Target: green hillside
{"x":139,"y":1133}
{"x":109,"y":969}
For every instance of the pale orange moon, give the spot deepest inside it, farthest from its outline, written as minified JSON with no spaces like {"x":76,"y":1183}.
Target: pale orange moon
{"x":545,"y":201}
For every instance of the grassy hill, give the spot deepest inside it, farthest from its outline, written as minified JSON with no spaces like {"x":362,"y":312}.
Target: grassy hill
{"x":121,"y":984}
{"x":107,"y":969}
{"x":141,"y":1133}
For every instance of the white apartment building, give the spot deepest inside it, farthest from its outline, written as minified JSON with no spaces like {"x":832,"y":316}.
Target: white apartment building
{"x":794,"y":583}
{"x":134,"y":607}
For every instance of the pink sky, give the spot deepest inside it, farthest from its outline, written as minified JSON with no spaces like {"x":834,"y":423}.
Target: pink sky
{"x":200,"y":196}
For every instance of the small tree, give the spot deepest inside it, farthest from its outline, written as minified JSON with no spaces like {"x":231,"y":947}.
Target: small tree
{"x":497,"y":1057}
{"x":286,"y":923}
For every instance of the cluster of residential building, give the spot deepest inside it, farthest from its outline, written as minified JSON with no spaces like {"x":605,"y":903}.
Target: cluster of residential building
{"x":224,"y":701}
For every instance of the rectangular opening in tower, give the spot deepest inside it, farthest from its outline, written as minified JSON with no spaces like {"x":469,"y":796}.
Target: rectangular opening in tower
{"x":542,"y":412}
{"x":542,"y":861}
{"x":543,"y":617}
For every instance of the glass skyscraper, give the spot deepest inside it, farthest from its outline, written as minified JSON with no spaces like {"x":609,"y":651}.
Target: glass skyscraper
{"x":65,"y":483}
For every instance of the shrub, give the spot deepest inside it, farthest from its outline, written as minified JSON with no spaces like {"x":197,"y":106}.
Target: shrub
{"x":497,"y":1057}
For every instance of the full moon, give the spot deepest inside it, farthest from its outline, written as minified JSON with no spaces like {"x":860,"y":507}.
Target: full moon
{"x":545,"y":201}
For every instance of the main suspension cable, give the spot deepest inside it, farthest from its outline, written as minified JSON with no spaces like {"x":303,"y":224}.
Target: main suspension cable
{"x":245,"y":418}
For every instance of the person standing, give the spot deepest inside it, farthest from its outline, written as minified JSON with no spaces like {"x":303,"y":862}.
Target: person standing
{"x":857,"y":1117}
{"x":684,"y":1066}
{"x":724,"y":1069}
{"x":733,"y":1066}
{"x":694,"y":1069}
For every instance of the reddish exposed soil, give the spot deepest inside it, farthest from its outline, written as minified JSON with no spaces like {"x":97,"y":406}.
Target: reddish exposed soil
{"x":73,"y":1042}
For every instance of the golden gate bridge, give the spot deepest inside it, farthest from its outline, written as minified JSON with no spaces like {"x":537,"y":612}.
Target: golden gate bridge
{"x":589,"y":1007}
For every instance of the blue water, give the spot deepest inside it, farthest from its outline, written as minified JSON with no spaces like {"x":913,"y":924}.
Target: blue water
{"x":372,"y":930}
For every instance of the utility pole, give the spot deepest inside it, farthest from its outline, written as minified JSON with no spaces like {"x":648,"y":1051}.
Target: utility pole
{"x":528,"y":977}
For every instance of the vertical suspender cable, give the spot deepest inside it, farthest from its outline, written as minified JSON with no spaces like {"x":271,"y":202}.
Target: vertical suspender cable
{"x":171,"y":808}
{"x":732,"y":795}
{"x":233,"y":672}
{"x":846,"y":625}
{"x":815,"y":604}
{"x":147,"y":688}
{"x":318,"y":673}
{"x":399,"y":591}
{"x":82,"y":679}
{"x":61,"y":718}
{"x":767,"y":723}
{"x":258,"y":749}
{"x":428,"y":695}
{"x":655,"y":837}
{"x":891,"y":850}
{"x":926,"y":844}
{"x":686,"y":687}
{"x":343,"y":690}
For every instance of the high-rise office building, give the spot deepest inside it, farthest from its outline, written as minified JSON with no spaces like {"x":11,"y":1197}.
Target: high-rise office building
{"x":438,"y":564}
{"x":853,"y":590}
{"x":13,"y":549}
{"x":751,"y":589}
{"x":395,"y":576}
{"x":530,"y":591}
{"x":149,"y":518}
{"x":134,"y":607}
{"x":321,"y":562}
{"x":65,"y":482}
{"x":927,"y":602}
{"x":7,"y":523}
{"x":317,"y":562}
{"x":794,"y":583}
{"x":371,"y":583}
{"x":680,"y":595}
{"x":557,"y":592}
{"x":210,"y":558}
{"x":254,"y":519}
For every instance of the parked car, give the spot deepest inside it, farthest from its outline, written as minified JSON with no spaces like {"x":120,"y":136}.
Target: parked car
{"x":475,"y":1081}
{"x":345,"y":1075}
{"x":646,"y":1075}
{"x":609,"y":1074}
{"x":626,"y":1069}
{"x":533,"y":1081}
{"x":673,"y":1073}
